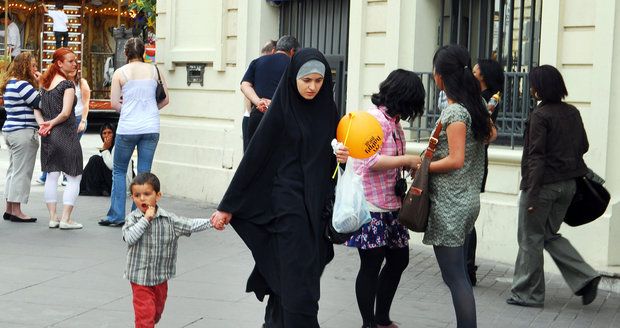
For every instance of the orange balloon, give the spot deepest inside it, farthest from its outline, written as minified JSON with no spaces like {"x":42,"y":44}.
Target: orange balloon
{"x":361,"y":133}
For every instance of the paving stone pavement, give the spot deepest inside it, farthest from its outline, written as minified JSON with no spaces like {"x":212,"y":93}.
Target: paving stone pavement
{"x":52,"y":278}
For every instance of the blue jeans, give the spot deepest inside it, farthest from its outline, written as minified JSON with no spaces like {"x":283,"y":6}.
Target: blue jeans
{"x":61,"y":36}
{"x":124,"y":146}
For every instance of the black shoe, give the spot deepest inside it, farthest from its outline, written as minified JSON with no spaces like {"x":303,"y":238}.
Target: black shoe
{"x":6,"y":216}
{"x":14,"y":218}
{"x":107,"y":223}
{"x":512,"y":301}
{"x":104,"y":222}
{"x":589,"y":291}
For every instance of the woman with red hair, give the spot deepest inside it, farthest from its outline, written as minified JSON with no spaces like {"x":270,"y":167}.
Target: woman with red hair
{"x":60,"y":147}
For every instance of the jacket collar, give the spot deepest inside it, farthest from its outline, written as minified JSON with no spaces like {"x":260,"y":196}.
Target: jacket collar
{"x":383,"y":110}
{"x":160,"y":212}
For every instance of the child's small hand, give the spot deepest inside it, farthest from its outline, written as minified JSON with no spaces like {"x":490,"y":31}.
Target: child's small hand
{"x":220,"y":219}
{"x":150,"y":213}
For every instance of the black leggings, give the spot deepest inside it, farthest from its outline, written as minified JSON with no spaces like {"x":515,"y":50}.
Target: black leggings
{"x":451,"y":262}
{"x":380,"y":284}
{"x":470,"y":260}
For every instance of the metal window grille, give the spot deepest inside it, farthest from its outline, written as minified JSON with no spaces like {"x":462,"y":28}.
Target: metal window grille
{"x":324,"y":25}
{"x":508,"y":30}
{"x":513,"y":110}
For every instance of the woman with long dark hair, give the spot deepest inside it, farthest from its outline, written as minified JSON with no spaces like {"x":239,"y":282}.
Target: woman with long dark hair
{"x":456,"y":174}
{"x":491,"y":77}
{"x":551,"y":161}
{"x":20,"y":96}
{"x":400,"y":98}
{"x":60,"y":145}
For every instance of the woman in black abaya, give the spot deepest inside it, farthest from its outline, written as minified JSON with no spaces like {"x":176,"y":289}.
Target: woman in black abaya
{"x":281,"y":186}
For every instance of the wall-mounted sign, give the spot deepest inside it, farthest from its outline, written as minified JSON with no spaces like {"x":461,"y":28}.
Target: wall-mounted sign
{"x":195,"y":74}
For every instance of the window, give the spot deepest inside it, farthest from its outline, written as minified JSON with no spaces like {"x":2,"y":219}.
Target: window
{"x":504,"y":30}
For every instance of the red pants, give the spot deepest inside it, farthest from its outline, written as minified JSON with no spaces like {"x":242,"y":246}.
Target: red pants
{"x":148,"y":303}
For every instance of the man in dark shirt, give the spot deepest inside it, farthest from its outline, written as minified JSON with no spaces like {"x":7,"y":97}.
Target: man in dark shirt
{"x":262,"y":77}
{"x":268,"y":49}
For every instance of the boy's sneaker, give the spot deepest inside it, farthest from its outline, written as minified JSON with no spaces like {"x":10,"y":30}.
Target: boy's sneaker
{"x":40,"y":180}
{"x":64,"y":180}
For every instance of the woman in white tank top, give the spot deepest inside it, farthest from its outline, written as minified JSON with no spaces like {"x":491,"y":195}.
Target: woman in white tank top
{"x":133,"y":95}
{"x":82,"y":93}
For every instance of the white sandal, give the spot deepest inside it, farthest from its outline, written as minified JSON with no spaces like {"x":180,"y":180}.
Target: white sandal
{"x":69,"y":226}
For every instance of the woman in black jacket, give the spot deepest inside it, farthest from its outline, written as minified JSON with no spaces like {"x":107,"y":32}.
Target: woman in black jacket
{"x":555,"y":141}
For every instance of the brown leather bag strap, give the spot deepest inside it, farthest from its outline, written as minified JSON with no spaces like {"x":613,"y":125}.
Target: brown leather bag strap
{"x":433,"y":141}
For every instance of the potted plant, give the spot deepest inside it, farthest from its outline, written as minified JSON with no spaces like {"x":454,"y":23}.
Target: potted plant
{"x":145,"y":13}
{"x":147,"y":8}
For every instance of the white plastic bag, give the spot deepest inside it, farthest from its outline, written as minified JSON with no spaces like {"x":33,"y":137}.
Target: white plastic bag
{"x":350,"y":208}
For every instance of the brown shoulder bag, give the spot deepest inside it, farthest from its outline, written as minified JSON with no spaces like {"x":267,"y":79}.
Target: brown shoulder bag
{"x":416,"y":204}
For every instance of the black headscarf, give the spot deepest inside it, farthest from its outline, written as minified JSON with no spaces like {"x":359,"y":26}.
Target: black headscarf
{"x":248,"y":195}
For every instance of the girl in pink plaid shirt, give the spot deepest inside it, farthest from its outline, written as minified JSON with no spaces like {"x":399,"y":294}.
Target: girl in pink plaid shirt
{"x":400,"y":97}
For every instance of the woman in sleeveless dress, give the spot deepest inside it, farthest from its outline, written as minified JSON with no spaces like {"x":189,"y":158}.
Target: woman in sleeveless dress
{"x":456,"y":174}
{"x":82,"y":93}
{"x":60,"y":145}
{"x":138,"y":126}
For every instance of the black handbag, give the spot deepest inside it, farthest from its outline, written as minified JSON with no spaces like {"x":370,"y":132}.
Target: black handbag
{"x":160,"y":93}
{"x":417,"y":203}
{"x":589,"y":202}
{"x":400,"y":187}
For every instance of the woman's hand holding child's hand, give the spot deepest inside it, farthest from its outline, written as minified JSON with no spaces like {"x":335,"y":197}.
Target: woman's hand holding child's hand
{"x":219,"y":219}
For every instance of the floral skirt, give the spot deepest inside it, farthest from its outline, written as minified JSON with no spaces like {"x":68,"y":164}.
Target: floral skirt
{"x":382,"y":230}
